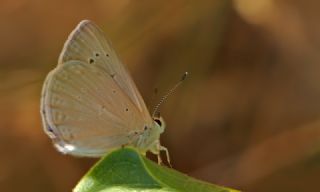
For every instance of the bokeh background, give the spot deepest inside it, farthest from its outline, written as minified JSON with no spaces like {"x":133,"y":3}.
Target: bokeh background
{"x":248,"y":116}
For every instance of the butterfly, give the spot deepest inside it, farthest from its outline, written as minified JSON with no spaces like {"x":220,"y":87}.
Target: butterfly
{"x":90,"y":105}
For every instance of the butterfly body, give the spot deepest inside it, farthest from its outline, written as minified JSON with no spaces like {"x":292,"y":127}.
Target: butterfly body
{"x":90,"y":105}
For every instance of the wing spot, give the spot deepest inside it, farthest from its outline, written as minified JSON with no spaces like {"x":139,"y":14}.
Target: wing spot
{"x":127,"y":109}
{"x":51,"y":133}
{"x":145,"y":128}
{"x":107,"y":55}
{"x":113,"y":91}
{"x":91,"y":60}
{"x":49,"y":129}
{"x":97,"y":54}
{"x":112,"y":75}
{"x":102,"y":109}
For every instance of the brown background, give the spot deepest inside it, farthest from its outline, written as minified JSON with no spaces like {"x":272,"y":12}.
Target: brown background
{"x":248,"y":116}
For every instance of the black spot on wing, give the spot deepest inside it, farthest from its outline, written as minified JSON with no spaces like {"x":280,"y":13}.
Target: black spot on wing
{"x":50,"y":132}
{"x":49,"y":129}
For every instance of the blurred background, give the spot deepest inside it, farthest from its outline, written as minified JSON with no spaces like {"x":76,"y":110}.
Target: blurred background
{"x":248,"y":117}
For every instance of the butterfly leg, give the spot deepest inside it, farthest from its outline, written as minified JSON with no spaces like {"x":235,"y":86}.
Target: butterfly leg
{"x":156,"y":150}
{"x":159,"y":159}
{"x":162,"y":148}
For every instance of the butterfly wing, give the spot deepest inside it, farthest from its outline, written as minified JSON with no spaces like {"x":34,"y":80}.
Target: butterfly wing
{"x":87,"y":43}
{"x":89,"y":103}
{"x":85,"y":112}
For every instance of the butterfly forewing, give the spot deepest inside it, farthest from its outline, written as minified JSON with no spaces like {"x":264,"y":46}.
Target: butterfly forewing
{"x":87,"y":43}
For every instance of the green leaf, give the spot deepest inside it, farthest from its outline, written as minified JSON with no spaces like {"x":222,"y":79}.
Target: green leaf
{"x":126,"y":170}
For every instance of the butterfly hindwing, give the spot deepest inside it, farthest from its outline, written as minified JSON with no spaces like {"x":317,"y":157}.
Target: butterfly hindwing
{"x":83,"y":108}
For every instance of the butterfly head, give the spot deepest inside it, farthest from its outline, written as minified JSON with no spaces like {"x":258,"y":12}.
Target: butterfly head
{"x":159,"y":123}
{"x":149,"y":138}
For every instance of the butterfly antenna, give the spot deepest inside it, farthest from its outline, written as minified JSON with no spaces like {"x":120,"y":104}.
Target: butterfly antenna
{"x":156,"y":110}
{"x":151,"y":102}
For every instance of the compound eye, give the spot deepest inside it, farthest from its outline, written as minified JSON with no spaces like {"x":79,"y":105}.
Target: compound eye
{"x":158,"y":122}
